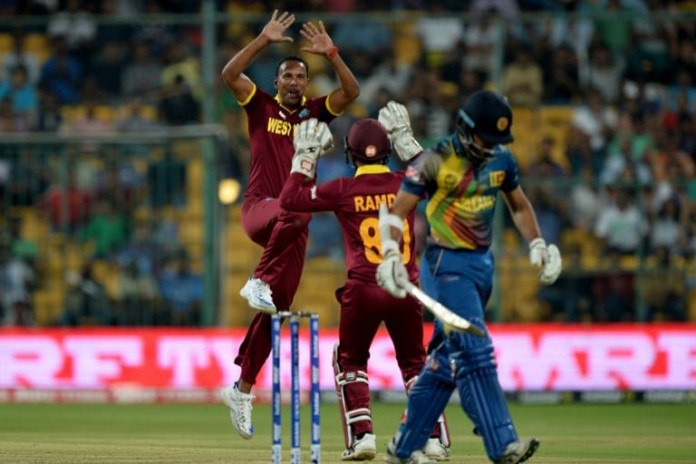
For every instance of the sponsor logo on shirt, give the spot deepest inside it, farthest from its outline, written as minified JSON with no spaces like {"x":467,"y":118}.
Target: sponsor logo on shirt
{"x":476,"y":204}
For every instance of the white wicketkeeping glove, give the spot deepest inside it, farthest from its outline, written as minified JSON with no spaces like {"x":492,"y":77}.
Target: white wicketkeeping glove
{"x":390,"y":271}
{"x":548,"y":258}
{"x":312,"y":140}
{"x":394,"y":118}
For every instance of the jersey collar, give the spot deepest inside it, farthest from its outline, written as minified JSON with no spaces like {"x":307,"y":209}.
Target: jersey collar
{"x":302,"y":103}
{"x":458,"y":146}
{"x":371,"y":169}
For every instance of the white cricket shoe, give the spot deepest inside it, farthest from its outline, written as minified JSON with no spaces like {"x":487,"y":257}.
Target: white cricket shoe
{"x":258,"y":294}
{"x":436,"y":450}
{"x":240,"y":409}
{"x":518,"y":451}
{"x":364,"y":449}
{"x":417,"y":457}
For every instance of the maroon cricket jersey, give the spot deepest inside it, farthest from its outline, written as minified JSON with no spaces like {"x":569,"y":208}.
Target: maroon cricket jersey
{"x":271,"y":130}
{"x":355,"y":202}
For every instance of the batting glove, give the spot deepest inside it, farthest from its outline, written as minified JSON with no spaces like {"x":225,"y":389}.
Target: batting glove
{"x":394,"y":118}
{"x":312,"y":140}
{"x":547,"y":258}
{"x":390,"y":271}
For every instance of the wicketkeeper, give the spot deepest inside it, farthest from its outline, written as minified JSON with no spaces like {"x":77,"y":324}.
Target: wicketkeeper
{"x":364,"y":305}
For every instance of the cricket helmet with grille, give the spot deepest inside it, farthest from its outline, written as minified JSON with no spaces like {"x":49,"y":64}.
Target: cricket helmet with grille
{"x":367,"y":141}
{"x":488,"y":115}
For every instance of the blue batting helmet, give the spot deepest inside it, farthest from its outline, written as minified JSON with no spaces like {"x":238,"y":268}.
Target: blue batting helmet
{"x":488,"y":115}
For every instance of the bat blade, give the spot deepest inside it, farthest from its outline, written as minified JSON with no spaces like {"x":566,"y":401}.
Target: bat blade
{"x":446,"y":315}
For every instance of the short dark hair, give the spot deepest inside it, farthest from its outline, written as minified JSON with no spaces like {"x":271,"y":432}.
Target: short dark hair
{"x":292,"y":58}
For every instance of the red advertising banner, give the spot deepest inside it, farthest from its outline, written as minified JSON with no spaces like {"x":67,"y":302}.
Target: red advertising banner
{"x":530,"y":358}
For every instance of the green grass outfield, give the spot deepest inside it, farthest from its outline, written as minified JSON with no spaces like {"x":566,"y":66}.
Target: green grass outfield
{"x":168,"y":433}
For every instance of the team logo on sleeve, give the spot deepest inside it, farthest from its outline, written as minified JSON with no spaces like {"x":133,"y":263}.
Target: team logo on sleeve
{"x":413,"y":173}
{"x":496,"y":178}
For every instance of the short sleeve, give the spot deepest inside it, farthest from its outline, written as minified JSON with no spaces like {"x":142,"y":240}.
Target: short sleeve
{"x":421,"y":172}
{"x":512,"y":177}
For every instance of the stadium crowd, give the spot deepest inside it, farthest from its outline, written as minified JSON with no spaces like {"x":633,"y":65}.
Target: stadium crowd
{"x":612,"y":176}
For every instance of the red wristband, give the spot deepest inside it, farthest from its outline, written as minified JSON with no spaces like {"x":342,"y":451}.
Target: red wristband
{"x":333,"y":52}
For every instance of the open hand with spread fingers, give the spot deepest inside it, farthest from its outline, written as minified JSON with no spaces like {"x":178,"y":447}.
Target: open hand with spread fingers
{"x":548,"y":258}
{"x":312,"y":140}
{"x":275,"y":29}
{"x":317,"y":35}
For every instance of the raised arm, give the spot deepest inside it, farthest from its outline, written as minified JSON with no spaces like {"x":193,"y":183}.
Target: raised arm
{"x":233,"y":72}
{"x":312,"y":140}
{"x":322,"y":44}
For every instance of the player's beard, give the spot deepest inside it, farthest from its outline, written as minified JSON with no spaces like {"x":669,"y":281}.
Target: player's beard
{"x":478,"y":152}
{"x":473,"y":150}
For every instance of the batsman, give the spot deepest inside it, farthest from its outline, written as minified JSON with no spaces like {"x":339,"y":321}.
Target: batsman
{"x":461,"y":178}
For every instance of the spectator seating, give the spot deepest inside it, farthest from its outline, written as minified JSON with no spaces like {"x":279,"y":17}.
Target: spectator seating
{"x":39,"y":44}
{"x":106,"y":113}
{"x":6,"y":43}
{"x":35,"y":43}
{"x":554,"y":121}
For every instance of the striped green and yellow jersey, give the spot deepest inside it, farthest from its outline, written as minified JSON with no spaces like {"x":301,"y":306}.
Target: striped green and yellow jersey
{"x":461,"y":193}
